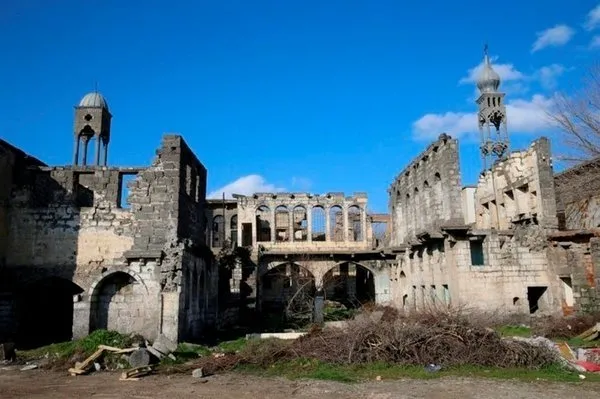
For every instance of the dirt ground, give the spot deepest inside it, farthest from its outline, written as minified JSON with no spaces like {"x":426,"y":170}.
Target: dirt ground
{"x":105,"y":385}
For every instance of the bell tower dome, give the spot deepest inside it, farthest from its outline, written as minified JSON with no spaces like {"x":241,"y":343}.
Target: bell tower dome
{"x":92,"y":121}
{"x":491,"y":115}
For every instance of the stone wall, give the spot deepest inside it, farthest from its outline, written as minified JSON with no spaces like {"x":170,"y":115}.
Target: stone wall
{"x":427,"y":193}
{"x":518,"y":189}
{"x":575,"y":258}
{"x":577,"y":195}
{"x":119,"y":267}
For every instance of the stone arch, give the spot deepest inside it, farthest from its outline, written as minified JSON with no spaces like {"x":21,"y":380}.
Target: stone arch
{"x":263,"y":223}
{"x":287,"y":291}
{"x":319,"y":224}
{"x":44,"y":311}
{"x":119,"y":301}
{"x":300,"y":223}
{"x":350,"y":283}
{"x":282,"y":223}
{"x":336,"y":223}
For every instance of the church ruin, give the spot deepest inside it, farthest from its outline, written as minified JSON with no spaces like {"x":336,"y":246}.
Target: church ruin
{"x":76,"y":255}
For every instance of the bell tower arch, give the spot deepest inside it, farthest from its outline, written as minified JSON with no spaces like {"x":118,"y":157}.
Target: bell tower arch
{"x":92,"y":121}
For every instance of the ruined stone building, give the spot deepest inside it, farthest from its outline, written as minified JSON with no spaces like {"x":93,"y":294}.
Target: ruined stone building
{"x":74,"y":257}
{"x":521,"y":241}
{"x":140,"y":249}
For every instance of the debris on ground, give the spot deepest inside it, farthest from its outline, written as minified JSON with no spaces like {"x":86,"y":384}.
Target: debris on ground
{"x":198,"y":373}
{"x":135,"y":373}
{"x":590,"y":334}
{"x":139,"y":358}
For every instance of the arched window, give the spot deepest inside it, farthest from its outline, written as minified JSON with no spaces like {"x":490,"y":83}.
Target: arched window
{"x":282,"y":223}
{"x":336,"y":223}
{"x":218,"y":231}
{"x":318,"y":223}
{"x":355,"y":230}
{"x":233,"y":229}
{"x":300,"y":223}
{"x":263,"y":224}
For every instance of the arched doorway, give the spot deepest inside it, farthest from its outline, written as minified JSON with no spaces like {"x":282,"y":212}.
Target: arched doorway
{"x":350,"y":284}
{"x":118,"y":303}
{"x":287,"y":294}
{"x":45,"y":312}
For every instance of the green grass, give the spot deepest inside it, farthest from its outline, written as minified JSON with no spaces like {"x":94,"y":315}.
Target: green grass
{"x":87,"y":345}
{"x":514,"y":331}
{"x":311,"y":369}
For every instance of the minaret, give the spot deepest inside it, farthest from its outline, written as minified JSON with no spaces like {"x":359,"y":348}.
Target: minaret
{"x":92,"y":120}
{"x":491,"y":115}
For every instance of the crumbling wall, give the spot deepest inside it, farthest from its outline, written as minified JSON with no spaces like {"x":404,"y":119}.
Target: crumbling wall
{"x":481,"y":269}
{"x":577,"y":196}
{"x":222,"y":223}
{"x":427,"y":193}
{"x":575,"y":259}
{"x":168,"y":201}
{"x":518,"y":189}
{"x":67,"y":222}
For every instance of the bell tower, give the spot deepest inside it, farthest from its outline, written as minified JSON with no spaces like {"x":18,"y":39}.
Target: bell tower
{"x":92,"y":121}
{"x":491,"y":115}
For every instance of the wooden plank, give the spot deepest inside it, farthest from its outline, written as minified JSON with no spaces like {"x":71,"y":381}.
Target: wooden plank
{"x":89,"y":362}
{"x":117,"y":350}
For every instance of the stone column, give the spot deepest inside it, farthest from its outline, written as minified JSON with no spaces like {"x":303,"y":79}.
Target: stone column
{"x":345,"y":222}
{"x":327,"y":224}
{"x":363,"y":222}
{"x":291,"y":222}
{"x":309,"y":224}
{"x":76,"y":150}
{"x":273,"y":230}
{"x":81,"y":317}
{"x":98,"y":145}
{"x":105,"y":153}
{"x":86,"y":141}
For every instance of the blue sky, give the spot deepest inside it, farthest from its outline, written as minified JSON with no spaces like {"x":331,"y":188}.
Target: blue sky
{"x":298,"y":95}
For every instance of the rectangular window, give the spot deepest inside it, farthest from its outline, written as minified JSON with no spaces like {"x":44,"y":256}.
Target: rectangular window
{"x":446,"y":294}
{"x":476,"y":247}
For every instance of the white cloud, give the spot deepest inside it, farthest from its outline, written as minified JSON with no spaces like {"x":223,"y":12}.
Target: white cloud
{"x":558,"y":35}
{"x":246,"y":185}
{"x":592,"y":20}
{"x":595,"y":43}
{"x":548,"y":75}
{"x":507,"y":73}
{"x":523,"y":116}
{"x":301,"y":183}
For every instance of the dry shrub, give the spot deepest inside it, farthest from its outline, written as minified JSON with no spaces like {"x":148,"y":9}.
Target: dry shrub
{"x":447,"y":337}
{"x":564,"y":327}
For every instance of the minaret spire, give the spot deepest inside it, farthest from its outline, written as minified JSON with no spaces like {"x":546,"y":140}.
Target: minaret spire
{"x":491,"y":114}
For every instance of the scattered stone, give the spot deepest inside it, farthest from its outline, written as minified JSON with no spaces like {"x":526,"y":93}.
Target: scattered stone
{"x":29,"y":367}
{"x":97,"y":366}
{"x":198,"y":373}
{"x":164,"y":345}
{"x":139,"y":358}
{"x":154,"y":352}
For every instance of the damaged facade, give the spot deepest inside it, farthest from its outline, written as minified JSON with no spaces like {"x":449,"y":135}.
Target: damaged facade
{"x":521,"y":241}
{"x":75,"y":258}
{"x":91,"y":246}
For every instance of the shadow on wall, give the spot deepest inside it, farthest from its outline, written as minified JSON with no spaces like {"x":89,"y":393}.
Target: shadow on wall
{"x":37,"y":283}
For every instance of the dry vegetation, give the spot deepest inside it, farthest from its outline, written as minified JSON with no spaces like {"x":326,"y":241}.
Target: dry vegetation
{"x":447,"y":338}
